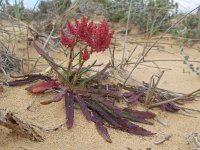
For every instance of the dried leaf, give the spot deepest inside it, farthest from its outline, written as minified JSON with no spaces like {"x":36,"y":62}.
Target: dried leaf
{"x":69,"y":104}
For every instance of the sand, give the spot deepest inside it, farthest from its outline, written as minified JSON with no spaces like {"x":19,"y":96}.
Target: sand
{"x":83,"y":135}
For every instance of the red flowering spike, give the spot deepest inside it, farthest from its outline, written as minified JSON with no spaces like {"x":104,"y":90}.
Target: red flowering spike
{"x":70,"y":28}
{"x":85,"y":54}
{"x":63,"y":39}
{"x":102,"y":37}
{"x":42,"y":86}
{"x":66,"y":41}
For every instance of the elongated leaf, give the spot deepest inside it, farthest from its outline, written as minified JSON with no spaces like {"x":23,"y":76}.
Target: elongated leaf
{"x":137,"y":116}
{"x":99,"y":74}
{"x":136,"y":119}
{"x":103,"y":113}
{"x":140,"y":114}
{"x":135,"y":98}
{"x":57,"y":97}
{"x":83,"y":107}
{"x":42,"y":86}
{"x":100,"y":127}
{"x":51,"y":62}
{"x":95,"y":77}
{"x":169,"y":107}
{"x":129,"y":127}
{"x":45,"y":55}
{"x":127,"y":94}
{"x":29,"y":79}
{"x":69,"y":104}
{"x":121,"y":123}
{"x":84,"y":70}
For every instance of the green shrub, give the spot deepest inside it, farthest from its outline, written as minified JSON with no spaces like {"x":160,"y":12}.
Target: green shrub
{"x":149,"y":15}
{"x":190,"y":27}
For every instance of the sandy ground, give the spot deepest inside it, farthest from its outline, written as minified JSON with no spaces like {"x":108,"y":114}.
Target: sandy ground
{"x":83,"y":135}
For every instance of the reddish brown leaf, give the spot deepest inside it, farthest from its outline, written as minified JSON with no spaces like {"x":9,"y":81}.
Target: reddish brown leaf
{"x":42,"y":86}
{"x":83,"y":107}
{"x":69,"y":104}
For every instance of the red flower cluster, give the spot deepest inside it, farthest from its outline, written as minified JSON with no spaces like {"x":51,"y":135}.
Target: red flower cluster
{"x":85,"y":54}
{"x":98,"y":37}
{"x":66,"y":41}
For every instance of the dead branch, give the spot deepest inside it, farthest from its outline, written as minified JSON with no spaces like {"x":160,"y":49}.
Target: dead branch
{"x":174,"y":99}
{"x":152,"y":88}
{"x":9,"y":120}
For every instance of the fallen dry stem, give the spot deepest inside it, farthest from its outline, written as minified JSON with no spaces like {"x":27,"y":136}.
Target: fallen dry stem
{"x":174,"y":99}
{"x":9,"y":120}
{"x":152,"y":89}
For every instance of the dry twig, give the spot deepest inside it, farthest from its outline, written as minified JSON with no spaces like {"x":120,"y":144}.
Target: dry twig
{"x":9,"y":120}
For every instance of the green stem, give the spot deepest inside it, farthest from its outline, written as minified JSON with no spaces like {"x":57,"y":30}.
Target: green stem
{"x":71,"y":58}
{"x":77,"y":72}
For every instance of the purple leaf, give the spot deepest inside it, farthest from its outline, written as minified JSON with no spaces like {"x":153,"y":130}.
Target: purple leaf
{"x":137,"y":116}
{"x":137,"y":119}
{"x":118,"y":122}
{"x":103,"y":113}
{"x":46,"y":56}
{"x":134,"y":129}
{"x":135,"y":97}
{"x":112,"y":87}
{"x":169,"y":107}
{"x":102,"y":74}
{"x":100,"y":127}
{"x":29,"y":79}
{"x":83,"y":107}
{"x":127,"y":94}
{"x":57,"y":97}
{"x":140,"y":114}
{"x":69,"y":104}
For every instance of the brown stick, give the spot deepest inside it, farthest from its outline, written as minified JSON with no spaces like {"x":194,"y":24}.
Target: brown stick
{"x":10,"y":121}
